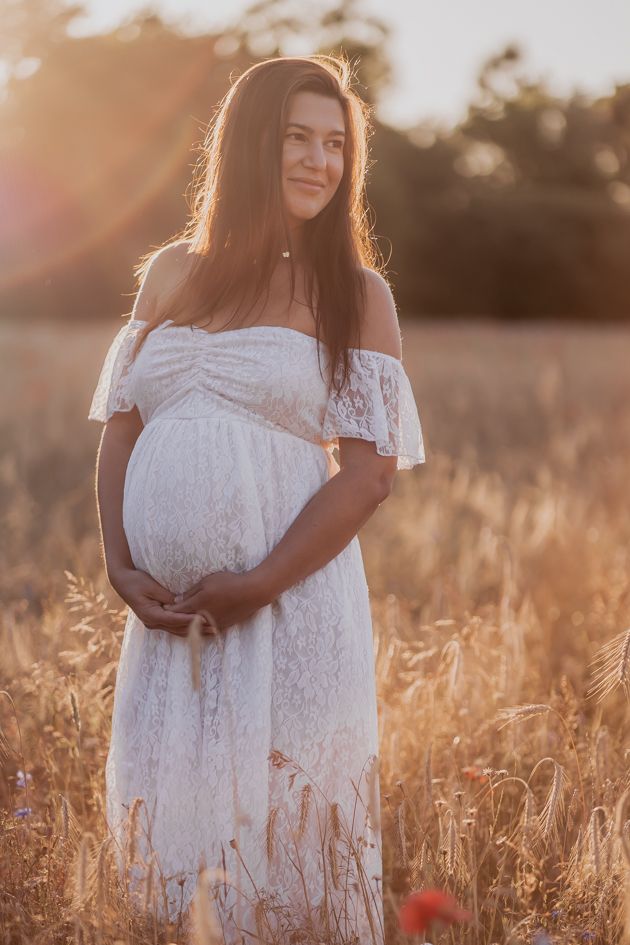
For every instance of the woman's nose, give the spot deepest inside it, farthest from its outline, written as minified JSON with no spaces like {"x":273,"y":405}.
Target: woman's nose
{"x":316,"y":156}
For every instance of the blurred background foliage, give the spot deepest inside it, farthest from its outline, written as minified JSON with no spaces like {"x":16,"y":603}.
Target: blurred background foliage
{"x":520,"y":211}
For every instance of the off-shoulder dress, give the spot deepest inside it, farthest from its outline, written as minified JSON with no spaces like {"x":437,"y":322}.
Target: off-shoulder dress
{"x":269,"y":769}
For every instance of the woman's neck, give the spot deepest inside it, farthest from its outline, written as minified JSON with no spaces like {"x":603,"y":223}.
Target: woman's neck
{"x":296,"y":248}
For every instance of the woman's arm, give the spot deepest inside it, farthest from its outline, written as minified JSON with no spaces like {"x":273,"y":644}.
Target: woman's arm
{"x":117,"y":443}
{"x":329,"y":521}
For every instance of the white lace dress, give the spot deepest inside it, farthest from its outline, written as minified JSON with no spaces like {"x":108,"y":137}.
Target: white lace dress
{"x":269,"y":770}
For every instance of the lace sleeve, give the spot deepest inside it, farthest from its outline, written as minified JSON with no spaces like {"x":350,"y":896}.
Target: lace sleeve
{"x":377,"y":405}
{"x":114,"y":387}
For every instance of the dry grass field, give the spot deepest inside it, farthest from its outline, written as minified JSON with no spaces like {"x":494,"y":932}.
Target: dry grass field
{"x":498,"y":572}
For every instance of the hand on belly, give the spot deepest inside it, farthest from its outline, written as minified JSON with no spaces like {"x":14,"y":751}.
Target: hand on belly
{"x":148,"y":599}
{"x":222,"y":598}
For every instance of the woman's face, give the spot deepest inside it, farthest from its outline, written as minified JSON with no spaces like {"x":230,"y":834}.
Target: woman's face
{"x":312,"y":151}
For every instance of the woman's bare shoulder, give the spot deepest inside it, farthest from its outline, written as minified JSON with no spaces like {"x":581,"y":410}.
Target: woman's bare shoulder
{"x":380,"y":329}
{"x":171,"y":263}
{"x":167,"y":268}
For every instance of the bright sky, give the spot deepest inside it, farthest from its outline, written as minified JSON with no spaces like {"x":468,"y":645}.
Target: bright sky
{"x":437,"y":48}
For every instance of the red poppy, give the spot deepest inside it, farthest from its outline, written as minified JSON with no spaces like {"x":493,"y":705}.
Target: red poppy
{"x":421,"y":908}
{"x":475,"y":773}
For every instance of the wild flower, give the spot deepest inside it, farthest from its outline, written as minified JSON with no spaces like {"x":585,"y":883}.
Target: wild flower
{"x":475,"y":773}
{"x":21,"y":779}
{"x":422,"y":908}
{"x":23,"y":811}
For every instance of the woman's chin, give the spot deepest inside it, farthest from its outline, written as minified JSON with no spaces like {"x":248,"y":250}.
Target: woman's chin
{"x":302,"y":214}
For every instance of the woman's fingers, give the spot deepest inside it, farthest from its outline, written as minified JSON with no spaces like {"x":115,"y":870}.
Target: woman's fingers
{"x":157,"y":618}
{"x":210,"y":624}
{"x":146,"y":586}
{"x":194,"y":588}
{"x":189,"y":605}
{"x":161,"y":594}
{"x":190,"y":592}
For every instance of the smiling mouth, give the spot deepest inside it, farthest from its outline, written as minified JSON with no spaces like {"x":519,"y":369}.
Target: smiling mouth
{"x":307,"y":184}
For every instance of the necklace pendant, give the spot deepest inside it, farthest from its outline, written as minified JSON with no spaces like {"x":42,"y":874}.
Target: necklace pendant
{"x":286,"y":253}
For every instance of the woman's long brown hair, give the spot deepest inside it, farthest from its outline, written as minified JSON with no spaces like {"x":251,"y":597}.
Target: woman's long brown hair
{"x":238,"y":230}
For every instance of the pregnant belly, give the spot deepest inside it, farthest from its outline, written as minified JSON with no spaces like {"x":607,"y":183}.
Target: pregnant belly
{"x":208,"y":494}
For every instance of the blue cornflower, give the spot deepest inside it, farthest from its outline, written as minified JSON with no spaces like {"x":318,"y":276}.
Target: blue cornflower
{"x":21,"y":779}
{"x":23,"y":811}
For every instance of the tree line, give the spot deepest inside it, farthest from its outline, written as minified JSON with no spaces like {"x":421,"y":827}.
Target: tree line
{"x":522,"y":210}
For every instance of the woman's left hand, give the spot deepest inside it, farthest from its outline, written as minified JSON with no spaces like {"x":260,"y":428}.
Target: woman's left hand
{"x":222,"y":598}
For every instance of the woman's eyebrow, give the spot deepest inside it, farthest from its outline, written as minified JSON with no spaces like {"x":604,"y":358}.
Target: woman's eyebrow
{"x":296,"y":124}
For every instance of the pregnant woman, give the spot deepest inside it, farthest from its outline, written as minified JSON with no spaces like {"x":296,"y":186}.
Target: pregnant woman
{"x":244,"y":732}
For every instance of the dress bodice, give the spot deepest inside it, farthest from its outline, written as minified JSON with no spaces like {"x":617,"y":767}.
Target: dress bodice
{"x":273,"y":376}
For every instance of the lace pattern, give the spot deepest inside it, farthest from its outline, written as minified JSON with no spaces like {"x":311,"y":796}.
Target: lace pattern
{"x":378,"y":405}
{"x":114,"y":391}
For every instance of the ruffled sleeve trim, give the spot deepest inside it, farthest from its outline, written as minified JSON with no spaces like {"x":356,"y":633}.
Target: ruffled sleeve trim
{"x":114,"y":392}
{"x":377,"y":405}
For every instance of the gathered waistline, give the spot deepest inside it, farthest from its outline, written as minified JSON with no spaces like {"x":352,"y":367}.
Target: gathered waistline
{"x":263,"y":425}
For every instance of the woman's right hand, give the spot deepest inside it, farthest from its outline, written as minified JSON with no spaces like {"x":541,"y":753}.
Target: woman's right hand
{"x":146,"y":597}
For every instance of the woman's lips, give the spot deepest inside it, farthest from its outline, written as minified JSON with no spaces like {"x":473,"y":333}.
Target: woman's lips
{"x":311,"y":188}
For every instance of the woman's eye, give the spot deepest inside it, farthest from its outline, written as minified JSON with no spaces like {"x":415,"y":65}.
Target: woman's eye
{"x":296,"y":134}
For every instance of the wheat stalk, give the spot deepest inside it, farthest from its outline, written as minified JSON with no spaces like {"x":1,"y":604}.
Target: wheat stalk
{"x":428,"y":774}
{"x":305,"y":805}
{"x":611,"y":667}
{"x":82,"y":862}
{"x":595,"y":838}
{"x":373,"y":800}
{"x":400,"y":821}
{"x":417,"y":865}
{"x":335,"y":822}
{"x":451,"y":660}
{"x":621,"y":824}
{"x":194,"y":642}
{"x":76,"y":717}
{"x":269,"y":831}
{"x":334,"y":865}
{"x":64,"y":817}
{"x":132,"y":828}
{"x":554,"y":803}
{"x":600,"y":756}
{"x":529,"y":821}
{"x":5,"y":748}
{"x":81,"y":887}
{"x":204,"y":925}
{"x":148,"y":883}
{"x":519,"y":713}
{"x":260,"y":917}
{"x":101,"y":873}
{"x":278,"y":759}
{"x":451,"y":846}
